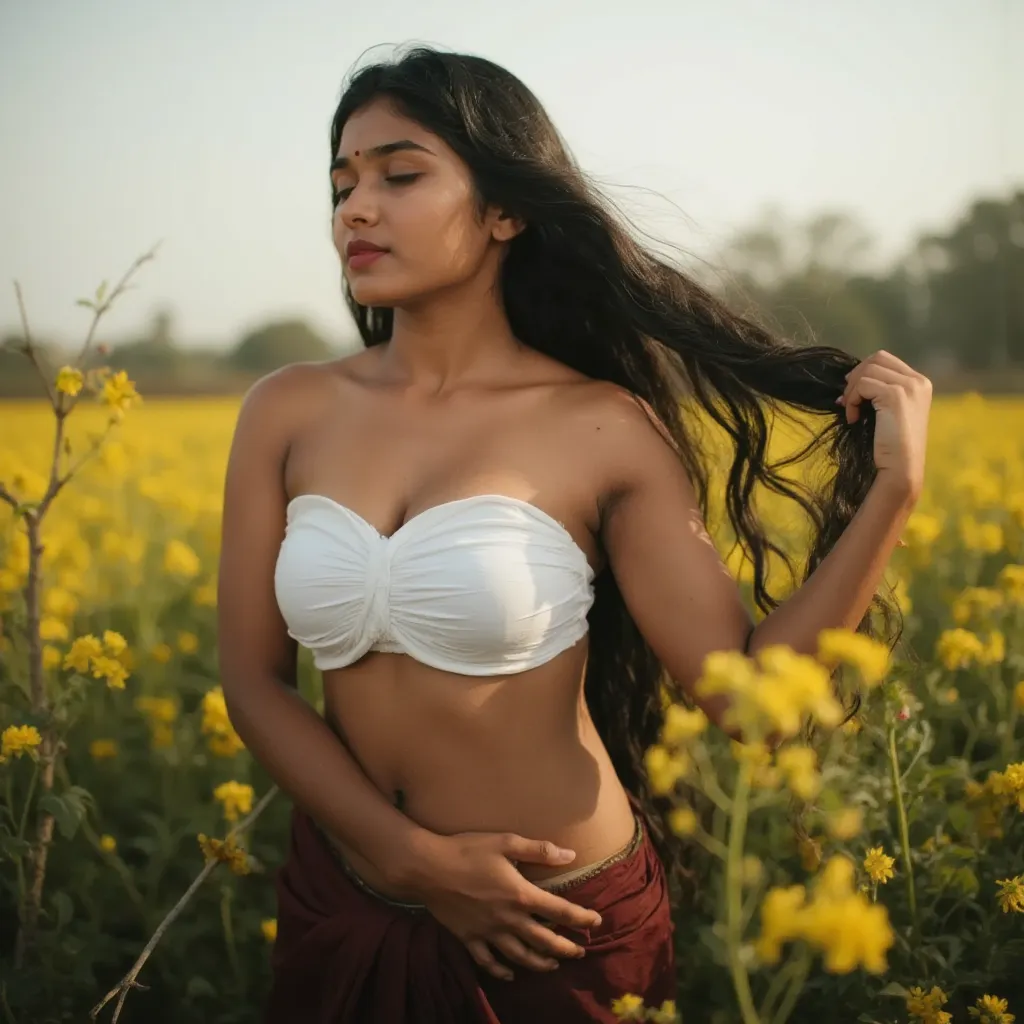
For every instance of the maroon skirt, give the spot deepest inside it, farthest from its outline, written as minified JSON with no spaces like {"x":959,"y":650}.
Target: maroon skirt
{"x":346,"y":954}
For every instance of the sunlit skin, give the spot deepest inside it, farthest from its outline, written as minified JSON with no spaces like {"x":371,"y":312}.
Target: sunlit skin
{"x":454,"y":406}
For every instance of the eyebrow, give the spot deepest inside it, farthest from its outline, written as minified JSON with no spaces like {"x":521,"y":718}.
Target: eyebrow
{"x":341,"y":162}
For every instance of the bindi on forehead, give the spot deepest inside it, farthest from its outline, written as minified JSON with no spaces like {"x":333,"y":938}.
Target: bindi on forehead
{"x":383,"y":150}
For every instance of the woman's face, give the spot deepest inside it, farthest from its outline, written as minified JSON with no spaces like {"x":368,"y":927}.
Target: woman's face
{"x":402,"y":189}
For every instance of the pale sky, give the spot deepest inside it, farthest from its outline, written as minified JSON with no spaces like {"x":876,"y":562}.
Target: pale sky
{"x":204,"y":123}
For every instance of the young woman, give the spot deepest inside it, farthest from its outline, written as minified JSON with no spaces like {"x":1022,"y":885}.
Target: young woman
{"x":488,"y":529}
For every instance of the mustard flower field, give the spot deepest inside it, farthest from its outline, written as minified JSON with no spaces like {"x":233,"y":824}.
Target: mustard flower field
{"x":868,"y":870}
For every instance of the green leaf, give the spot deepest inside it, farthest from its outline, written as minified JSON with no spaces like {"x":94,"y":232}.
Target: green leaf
{"x":101,"y":291}
{"x":88,"y":303}
{"x":198,"y":987}
{"x":63,"y":907}
{"x":68,"y":810}
{"x":13,"y":848}
{"x":894,"y":988}
{"x":959,"y":817}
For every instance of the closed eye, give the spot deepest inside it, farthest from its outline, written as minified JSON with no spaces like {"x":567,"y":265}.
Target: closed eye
{"x":341,"y":194}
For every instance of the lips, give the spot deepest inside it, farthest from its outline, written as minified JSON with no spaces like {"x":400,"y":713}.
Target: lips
{"x":358,"y":246}
{"x":361,"y":253}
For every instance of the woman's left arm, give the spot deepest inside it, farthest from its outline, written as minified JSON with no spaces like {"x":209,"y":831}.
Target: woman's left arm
{"x":674,"y":583}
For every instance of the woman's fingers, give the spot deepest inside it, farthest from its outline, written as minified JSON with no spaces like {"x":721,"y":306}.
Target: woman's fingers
{"x":557,"y":910}
{"x":542,"y":938}
{"x":482,"y":955}
{"x":534,"y":851}
{"x":866,"y":385}
{"x":516,"y":951}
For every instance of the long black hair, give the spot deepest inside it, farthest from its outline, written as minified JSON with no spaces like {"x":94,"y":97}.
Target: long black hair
{"x":578,"y":285}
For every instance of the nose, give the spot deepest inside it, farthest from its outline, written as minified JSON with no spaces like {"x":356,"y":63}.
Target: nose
{"x":360,"y":207}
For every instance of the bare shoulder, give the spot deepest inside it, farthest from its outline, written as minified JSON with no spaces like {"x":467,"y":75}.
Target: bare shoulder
{"x":281,"y":402}
{"x":619,"y":424}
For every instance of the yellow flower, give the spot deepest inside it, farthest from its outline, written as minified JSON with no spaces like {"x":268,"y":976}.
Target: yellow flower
{"x":756,"y":754}
{"x":878,"y":866}
{"x":846,"y":823}
{"x":69,"y":380}
{"x":205,"y":596}
{"x":162,"y":736}
{"x":682,"y":725}
{"x":835,"y":879}
{"x":925,"y":1007}
{"x":188,"y":643}
{"x":225,"y":746}
{"x":994,"y":649}
{"x":1011,"y":580}
{"x":978,"y":536}
{"x":51,"y":657}
{"x":751,"y":869}
{"x":227,"y":851}
{"x":181,"y":560}
{"x":1018,"y":694}
{"x":113,"y":671}
{"x":665,"y":769}
{"x":157,"y":709}
{"x":726,"y":672}
{"x":161,"y":653}
{"x":119,"y":392}
{"x":1011,"y":894}
{"x":223,"y":741}
{"x":921,"y":530}
{"x":269,"y":928}
{"x":82,"y":652}
{"x":991,"y":1010}
{"x":114,"y":643}
{"x":628,"y":1007}
{"x":958,"y":648}
{"x":236,"y":798}
{"x":51,"y":628}
{"x":976,"y":601}
{"x":683,"y":821}
{"x":782,"y":919}
{"x":108,"y":844}
{"x":798,"y":765}
{"x":1007,"y":787}
{"x":850,"y":931}
{"x":664,"y":1014}
{"x":100,"y":750}
{"x":18,"y":740}
{"x":9,"y":581}
{"x":867,"y":655}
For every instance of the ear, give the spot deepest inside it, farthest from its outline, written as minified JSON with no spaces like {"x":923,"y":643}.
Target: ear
{"x":505,"y":227}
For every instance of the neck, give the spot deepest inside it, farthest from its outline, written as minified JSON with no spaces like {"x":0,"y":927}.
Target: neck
{"x":454,"y":338}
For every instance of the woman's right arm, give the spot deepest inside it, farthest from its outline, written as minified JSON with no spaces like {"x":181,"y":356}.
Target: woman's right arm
{"x":468,"y":881}
{"x":258,"y":658}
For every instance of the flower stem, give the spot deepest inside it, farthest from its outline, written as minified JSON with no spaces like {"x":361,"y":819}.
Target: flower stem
{"x":901,"y":813}
{"x":800,"y":972}
{"x":734,"y":895}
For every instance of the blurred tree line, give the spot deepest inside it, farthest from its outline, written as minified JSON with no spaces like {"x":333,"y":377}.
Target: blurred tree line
{"x":952,"y":306}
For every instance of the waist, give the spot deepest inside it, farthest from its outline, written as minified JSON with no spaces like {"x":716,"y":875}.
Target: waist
{"x":563,"y":882}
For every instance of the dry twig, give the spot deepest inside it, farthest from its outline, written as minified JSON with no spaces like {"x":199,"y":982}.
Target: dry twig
{"x":128,"y":982}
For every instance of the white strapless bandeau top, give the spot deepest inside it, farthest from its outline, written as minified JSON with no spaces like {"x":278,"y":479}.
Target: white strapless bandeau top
{"x":484,"y":585}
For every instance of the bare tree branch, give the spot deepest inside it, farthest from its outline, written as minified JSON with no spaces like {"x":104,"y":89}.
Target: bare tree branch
{"x":108,"y":301}
{"x":127,"y":983}
{"x":5,"y":495}
{"x":30,"y":350}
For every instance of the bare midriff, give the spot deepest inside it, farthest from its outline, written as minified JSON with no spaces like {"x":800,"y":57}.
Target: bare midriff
{"x":513,"y":753}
